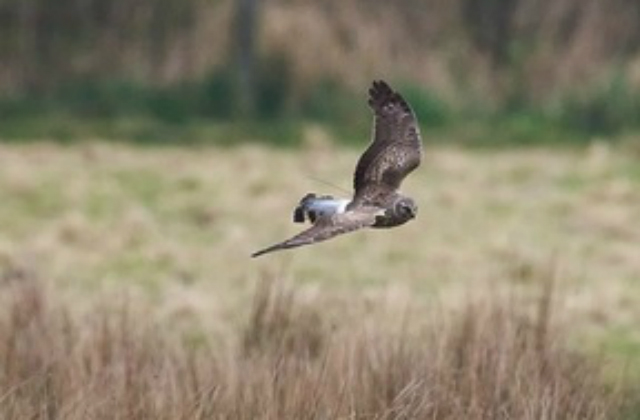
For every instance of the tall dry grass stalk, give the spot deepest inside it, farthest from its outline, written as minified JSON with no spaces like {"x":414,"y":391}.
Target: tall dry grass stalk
{"x":291,"y":361}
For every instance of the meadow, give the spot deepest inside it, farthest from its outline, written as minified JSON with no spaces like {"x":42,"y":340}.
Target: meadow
{"x":128,"y":291}
{"x":148,"y":148}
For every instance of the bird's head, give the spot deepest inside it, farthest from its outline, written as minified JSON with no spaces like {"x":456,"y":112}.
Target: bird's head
{"x":405,"y":209}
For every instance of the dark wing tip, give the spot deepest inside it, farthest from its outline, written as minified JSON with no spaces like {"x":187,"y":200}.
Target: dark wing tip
{"x":380,"y":85}
{"x":258,"y":253}
{"x":298,"y":215}
{"x":265,"y":251}
{"x":381,"y":94}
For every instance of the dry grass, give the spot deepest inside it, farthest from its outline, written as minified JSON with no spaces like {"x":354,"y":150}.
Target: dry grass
{"x":293,"y":361}
{"x":466,"y":50}
{"x":146,"y":254}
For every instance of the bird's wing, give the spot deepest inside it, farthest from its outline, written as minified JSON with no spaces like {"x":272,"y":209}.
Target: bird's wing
{"x":396,"y":148}
{"x":327,"y":227}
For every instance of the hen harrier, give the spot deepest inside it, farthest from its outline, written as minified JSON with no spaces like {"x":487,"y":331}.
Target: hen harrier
{"x":395,"y":151}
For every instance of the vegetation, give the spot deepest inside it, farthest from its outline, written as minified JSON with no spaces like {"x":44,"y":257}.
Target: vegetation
{"x":518,"y":72}
{"x":128,"y":292}
{"x":126,"y":287}
{"x":293,"y":359}
{"x":203,"y":112}
{"x":176,"y":226}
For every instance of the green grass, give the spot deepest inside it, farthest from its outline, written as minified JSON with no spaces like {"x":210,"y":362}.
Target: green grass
{"x":205,"y":112}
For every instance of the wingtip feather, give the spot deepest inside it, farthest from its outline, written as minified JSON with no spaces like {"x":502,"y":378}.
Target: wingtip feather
{"x":258,"y":253}
{"x":380,"y":92}
{"x":267,"y":250}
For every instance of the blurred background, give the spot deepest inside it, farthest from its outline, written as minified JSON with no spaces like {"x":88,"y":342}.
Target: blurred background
{"x":538,"y":71}
{"x":148,"y":147}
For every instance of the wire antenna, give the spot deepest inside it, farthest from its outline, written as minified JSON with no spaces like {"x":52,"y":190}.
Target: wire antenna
{"x":329,"y":184}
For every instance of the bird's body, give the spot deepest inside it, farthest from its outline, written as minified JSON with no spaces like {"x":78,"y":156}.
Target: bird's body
{"x":395,"y":151}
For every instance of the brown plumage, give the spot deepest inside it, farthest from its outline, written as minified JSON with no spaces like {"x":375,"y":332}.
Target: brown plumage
{"x":396,"y":148}
{"x":395,"y":151}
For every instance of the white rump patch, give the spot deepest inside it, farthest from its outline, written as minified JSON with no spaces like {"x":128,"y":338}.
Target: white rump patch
{"x":327,"y":206}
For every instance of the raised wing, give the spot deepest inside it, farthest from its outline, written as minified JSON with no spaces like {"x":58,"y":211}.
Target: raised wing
{"x":396,"y":149}
{"x":327,"y":227}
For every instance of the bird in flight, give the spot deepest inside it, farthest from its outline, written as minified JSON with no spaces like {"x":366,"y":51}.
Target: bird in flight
{"x":395,"y":151}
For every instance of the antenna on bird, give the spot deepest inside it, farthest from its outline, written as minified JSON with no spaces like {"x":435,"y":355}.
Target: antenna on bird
{"x":329,"y":184}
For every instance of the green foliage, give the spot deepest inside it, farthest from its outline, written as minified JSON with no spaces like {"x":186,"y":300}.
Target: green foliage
{"x":273,"y":88}
{"x":431,"y":110}
{"x":603,"y":110}
{"x":608,"y":111}
{"x":329,"y":102}
{"x":207,"y":110}
{"x":217,"y":97}
{"x":91,"y":99}
{"x":524,"y":128}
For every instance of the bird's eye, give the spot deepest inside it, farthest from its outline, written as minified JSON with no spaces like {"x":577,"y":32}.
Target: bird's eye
{"x":404,"y":209}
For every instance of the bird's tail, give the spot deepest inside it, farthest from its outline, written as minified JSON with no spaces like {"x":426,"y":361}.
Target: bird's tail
{"x":301,"y":212}
{"x":304,"y":210}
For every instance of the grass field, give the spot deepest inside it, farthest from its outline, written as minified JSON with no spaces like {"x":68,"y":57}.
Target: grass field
{"x":168,"y":231}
